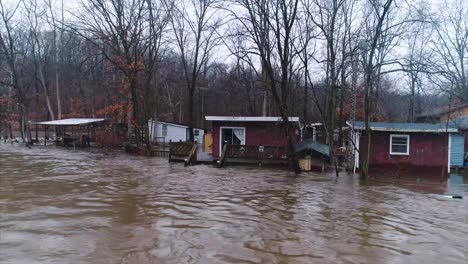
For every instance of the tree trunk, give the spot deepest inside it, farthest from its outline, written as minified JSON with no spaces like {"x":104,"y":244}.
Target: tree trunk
{"x":265,"y":91}
{"x":46,"y":92}
{"x":25,"y":129}
{"x":57,"y":88}
{"x":57,"y":91}
{"x":292,"y":157}
{"x":191,"y":114}
{"x":367,"y":110}
{"x":306,"y":90}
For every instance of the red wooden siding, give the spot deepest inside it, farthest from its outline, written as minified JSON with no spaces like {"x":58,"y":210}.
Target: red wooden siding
{"x":256,"y":133}
{"x":427,"y":152}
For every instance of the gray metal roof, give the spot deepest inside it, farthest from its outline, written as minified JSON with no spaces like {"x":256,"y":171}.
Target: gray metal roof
{"x":311,"y":145}
{"x":250,"y":118}
{"x":402,"y":127}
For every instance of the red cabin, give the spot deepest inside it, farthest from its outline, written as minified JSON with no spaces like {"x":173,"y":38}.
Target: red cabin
{"x":404,"y":147}
{"x":256,"y":135}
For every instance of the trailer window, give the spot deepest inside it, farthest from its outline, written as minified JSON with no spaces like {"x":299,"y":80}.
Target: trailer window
{"x":164,"y":130}
{"x":399,"y":144}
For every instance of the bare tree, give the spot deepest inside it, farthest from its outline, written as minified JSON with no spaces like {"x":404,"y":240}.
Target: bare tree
{"x":194,"y":25}
{"x":9,"y":47}
{"x":380,"y":12}
{"x":270,"y":25}
{"x":40,"y":47}
{"x":450,"y":44}
{"x":57,"y":50}
{"x":414,"y":65}
{"x":128,"y":34}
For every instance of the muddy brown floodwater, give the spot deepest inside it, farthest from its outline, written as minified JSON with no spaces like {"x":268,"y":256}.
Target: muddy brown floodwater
{"x":65,"y":206}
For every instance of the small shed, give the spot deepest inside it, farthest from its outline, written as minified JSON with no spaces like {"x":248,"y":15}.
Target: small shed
{"x":314,"y":151}
{"x":411,"y":147}
{"x":162,"y":132}
{"x":251,"y":137}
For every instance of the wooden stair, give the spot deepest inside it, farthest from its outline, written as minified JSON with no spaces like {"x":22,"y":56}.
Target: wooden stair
{"x":183,"y":152}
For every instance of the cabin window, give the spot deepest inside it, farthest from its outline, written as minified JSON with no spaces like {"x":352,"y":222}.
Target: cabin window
{"x":232,"y":136}
{"x":196,"y":132}
{"x":164,"y":130}
{"x":399,"y":144}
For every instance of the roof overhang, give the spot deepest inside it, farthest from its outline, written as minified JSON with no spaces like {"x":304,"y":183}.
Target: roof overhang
{"x":71,"y":122}
{"x":174,"y":124}
{"x":404,"y":127}
{"x":250,"y":118}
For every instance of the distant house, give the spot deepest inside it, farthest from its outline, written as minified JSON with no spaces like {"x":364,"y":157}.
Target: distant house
{"x":411,"y":147}
{"x":456,"y":116}
{"x":261,"y":137}
{"x":165,"y":132}
{"x":443,"y":114}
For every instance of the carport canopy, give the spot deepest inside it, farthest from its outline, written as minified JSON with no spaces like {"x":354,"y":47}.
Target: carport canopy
{"x":71,"y":122}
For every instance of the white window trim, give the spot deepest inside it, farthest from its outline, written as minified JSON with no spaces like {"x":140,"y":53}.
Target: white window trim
{"x":407,"y":148}
{"x":221,"y":138}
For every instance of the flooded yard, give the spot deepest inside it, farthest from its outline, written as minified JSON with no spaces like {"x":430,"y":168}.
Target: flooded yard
{"x":65,"y":206}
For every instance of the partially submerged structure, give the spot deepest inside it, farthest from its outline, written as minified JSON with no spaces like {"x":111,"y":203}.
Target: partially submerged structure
{"x":408,"y":147}
{"x":73,"y":131}
{"x":250,"y":138}
{"x":314,"y":153}
{"x":164,"y":132}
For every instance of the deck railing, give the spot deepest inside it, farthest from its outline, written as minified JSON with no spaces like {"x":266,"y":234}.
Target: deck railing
{"x":256,"y":152}
{"x":183,"y":151}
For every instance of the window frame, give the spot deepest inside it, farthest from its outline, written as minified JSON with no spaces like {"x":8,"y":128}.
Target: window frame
{"x":164,"y":130}
{"x":407,"y":144}
{"x":221,"y":136}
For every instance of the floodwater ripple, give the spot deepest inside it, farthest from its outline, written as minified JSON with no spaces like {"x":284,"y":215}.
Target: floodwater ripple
{"x":64,"y":206}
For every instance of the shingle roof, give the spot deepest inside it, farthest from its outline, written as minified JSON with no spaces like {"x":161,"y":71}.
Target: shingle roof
{"x":402,"y":127}
{"x":438,"y":111}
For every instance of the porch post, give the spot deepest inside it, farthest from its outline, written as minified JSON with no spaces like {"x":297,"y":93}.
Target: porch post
{"x":356,"y":150}
{"x":449,"y":150}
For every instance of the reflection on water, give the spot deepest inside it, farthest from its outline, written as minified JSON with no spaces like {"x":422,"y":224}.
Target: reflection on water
{"x":60,"y":206}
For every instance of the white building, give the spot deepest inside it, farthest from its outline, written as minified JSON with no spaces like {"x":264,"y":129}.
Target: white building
{"x":165,"y":132}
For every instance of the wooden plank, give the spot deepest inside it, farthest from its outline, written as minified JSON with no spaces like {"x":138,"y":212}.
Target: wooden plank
{"x":192,"y":155}
{"x":223,"y":157}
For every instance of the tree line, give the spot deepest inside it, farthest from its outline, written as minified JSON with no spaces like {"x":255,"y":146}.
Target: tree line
{"x":322,"y":60}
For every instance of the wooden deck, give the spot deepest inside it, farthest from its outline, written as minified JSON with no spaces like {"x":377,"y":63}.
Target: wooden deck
{"x":253,"y":154}
{"x":203,"y":157}
{"x":142,"y":151}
